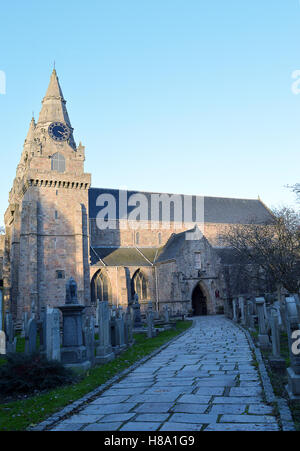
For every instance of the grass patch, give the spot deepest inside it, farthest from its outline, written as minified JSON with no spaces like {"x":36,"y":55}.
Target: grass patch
{"x":19,"y":415}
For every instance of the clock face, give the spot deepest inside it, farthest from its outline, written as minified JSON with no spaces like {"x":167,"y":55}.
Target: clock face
{"x":58,"y":131}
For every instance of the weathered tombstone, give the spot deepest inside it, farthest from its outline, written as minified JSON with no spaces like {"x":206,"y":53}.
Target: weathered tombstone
{"x":293,"y":327}
{"x":250,"y":314}
{"x":137,"y":312}
{"x":2,"y":342}
{"x":11,"y":340}
{"x":234,"y":306}
{"x":30,"y":336}
{"x":73,"y":352}
{"x":166,"y":314}
{"x":120,"y":330}
{"x":104,"y":351}
{"x":242,"y":309}
{"x":276,"y":361}
{"x":151,"y":332}
{"x":129,"y":327}
{"x":89,"y":338}
{"x":263,"y":337}
{"x":51,"y":334}
{"x":24,"y":324}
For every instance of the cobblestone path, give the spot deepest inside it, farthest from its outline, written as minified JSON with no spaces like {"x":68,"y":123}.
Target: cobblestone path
{"x":205,"y":380}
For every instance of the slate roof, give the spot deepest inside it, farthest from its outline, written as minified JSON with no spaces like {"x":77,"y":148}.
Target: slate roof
{"x":123,"y":256}
{"x":216,"y":209}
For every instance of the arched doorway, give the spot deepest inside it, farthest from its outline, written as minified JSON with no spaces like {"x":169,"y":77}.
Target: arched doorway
{"x":199,"y":301}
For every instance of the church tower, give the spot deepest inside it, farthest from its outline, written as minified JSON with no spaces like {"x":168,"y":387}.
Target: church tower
{"x":47,"y":218}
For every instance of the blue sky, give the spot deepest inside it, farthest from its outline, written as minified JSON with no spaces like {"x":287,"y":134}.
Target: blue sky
{"x":183,"y":96}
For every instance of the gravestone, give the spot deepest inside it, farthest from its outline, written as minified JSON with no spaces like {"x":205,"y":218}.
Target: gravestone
{"x":276,"y":361}
{"x":89,"y":338}
{"x":242,"y":309}
{"x":250,"y":314}
{"x":104,"y":351}
{"x":263,"y":337}
{"x":137,"y":312}
{"x":234,"y":306}
{"x":120,"y":330}
{"x":24,"y":324}
{"x":73,"y":352}
{"x":31,"y":336}
{"x":166,"y":316}
{"x":11,"y":340}
{"x":129,"y":327}
{"x":51,"y":334}
{"x":151,"y":332}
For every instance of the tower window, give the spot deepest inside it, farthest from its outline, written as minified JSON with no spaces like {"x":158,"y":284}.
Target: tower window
{"x":58,"y":163}
{"x":60,"y":274}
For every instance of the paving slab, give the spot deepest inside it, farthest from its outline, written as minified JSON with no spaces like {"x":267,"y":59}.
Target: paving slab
{"x":203,"y":380}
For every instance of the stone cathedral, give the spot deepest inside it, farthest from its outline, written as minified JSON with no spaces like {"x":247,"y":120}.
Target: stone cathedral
{"x":52,"y":233}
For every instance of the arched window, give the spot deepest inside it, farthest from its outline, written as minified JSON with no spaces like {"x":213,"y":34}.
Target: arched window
{"x":101,"y":288}
{"x":58,"y":163}
{"x":139,"y":285}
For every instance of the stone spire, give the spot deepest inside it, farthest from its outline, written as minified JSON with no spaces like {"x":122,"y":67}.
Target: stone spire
{"x":30,"y":135}
{"x":53,"y":104}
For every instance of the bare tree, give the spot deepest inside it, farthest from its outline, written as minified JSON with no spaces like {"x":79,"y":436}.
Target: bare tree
{"x":272,"y":250}
{"x":296,"y":189}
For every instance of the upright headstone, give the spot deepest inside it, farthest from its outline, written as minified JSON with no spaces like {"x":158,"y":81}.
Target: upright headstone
{"x":73,"y":352}
{"x":51,"y":334}
{"x":242,"y":309}
{"x":24,"y":324}
{"x":129,"y":327}
{"x":137,"y":312}
{"x":263,"y":337}
{"x":89,"y":338}
{"x":11,"y":340}
{"x":166,"y":314}
{"x":120,"y":329}
{"x":234,"y":306}
{"x":150,"y":321}
{"x":31,"y":336}
{"x":276,"y":361}
{"x":250,"y":314}
{"x":104,"y":351}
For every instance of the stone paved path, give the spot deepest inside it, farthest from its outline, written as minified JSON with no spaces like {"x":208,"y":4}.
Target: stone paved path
{"x":205,"y":380}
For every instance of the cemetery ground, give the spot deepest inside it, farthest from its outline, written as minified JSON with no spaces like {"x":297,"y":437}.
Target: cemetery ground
{"x":27,"y":411}
{"x":279,"y":379}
